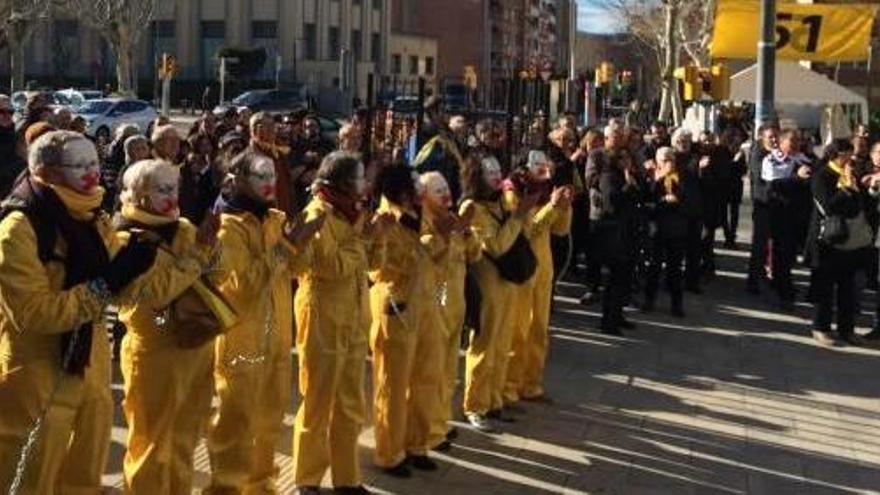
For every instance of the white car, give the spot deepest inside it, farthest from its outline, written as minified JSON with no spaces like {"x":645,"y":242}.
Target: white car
{"x":104,"y":115}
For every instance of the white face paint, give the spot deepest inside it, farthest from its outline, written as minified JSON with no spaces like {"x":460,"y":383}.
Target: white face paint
{"x":81,"y":170}
{"x":162,"y":196}
{"x":360,"y":180}
{"x":436,"y":192}
{"x":540,"y":167}
{"x":492,"y":173}
{"x":261,"y":178}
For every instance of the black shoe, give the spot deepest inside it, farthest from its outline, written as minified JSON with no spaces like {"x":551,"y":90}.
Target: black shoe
{"x":498,"y":415}
{"x":444,"y":446}
{"x":626,"y":324}
{"x":729,"y":244}
{"x":853,"y":340}
{"x":589,"y":298}
{"x":351,"y":490}
{"x":307,"y":490}
{"x":452,"y":434}
{"x":422,"y":463}
{"x":677,"y":311}
{"x":873,"y":335}
{"x":611,"y":330}
{"x":398,"y":471}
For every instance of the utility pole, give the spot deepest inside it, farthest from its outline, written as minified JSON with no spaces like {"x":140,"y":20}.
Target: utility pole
{"x":764,"y":111}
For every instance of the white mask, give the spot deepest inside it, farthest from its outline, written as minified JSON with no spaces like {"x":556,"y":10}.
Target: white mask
{"x":436,"y":191}
{"x":262,"y":179}
{"x":162,"y":197}
{"x":81,"y":170}
{"x":540,"y":166}
{"x":492,"y":172}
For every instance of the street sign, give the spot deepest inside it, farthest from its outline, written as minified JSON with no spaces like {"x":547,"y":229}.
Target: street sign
{"x":819,"y":33}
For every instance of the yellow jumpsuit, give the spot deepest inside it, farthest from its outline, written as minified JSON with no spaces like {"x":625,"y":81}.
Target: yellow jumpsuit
{"x":532,"y":302}
{"x":168,"y":390}
{"x":463,"y":250}
{"x":252,"y":368}
{"x":406,"y":338}
{"x":332,"y":322}
{"x":70,"y":451}
{"x":489,"y":351}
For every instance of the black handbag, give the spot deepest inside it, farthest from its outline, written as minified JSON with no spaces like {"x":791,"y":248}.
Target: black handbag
{"x":519,"y":263}
{"x":832,"y":228}
{"x":473,"y":298}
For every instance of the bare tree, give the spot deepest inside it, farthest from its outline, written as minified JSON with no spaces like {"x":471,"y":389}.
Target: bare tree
{"x":669,"y":29}
{"x":18,"y":19}
{"x":121,"y":23}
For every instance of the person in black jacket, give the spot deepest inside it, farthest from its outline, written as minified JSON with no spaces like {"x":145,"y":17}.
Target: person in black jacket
{"x":11,"y":164}
{"x":835,"y":262}
{"x":690,"y":163}
{"x":668,"y":230}
{"x":731,"y":142}
{"x":614,"y":189}
{"x":760,"y":209}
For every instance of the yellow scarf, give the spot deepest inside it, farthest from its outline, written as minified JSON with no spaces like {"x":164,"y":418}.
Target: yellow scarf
{"x":843,"y":181}
{"x":276,"y":150}
{"x":80,"y":206}
{"x":138,"y":215}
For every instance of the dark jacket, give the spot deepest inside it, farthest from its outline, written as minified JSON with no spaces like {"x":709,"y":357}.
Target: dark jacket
{"x":11,"y":165}
{"x":759,"y":185}
{"x":834,"y":201}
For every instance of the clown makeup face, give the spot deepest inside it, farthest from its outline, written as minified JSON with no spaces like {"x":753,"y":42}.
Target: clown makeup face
{"x":81,"y":171}
{"x":492,"y":173}
{"x":262,"y":179}
{"x":161,"y":197}
{"x":435,"y":192}
{"x":540,"y":167}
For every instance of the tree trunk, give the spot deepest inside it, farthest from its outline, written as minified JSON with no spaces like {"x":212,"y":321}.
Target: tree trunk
{"x":16,"y":64}
{"x":667,"y":98}
{"x":123,"y":67}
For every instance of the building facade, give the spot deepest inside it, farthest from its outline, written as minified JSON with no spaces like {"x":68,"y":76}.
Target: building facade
{"x":303,"y":39}
{"x":410,"y":57}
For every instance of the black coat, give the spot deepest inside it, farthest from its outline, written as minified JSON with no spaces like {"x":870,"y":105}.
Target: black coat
{"x":834,"y":201}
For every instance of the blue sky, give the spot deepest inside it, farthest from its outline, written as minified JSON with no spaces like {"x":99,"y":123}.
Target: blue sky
{"x":593,"y":18}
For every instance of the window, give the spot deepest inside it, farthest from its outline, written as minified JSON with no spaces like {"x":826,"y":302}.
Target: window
{"x":163,"y":29}
{"x":414,"y":64}
{"x":311,"y":35}
{"x":395,"y":64}
{"x":355,"y":3}
{"x":130,"y":107}
{"x":213,"y":36}
{"x":357,"y":44}
{"x":264,"y":29}
{"x":429,"y":66}
{"x":65,"y":45}
{"x":375,"y":48}
{"x":333,"y":43}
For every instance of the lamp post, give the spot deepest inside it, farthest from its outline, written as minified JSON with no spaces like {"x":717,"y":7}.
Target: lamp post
{"x":764,"y":111}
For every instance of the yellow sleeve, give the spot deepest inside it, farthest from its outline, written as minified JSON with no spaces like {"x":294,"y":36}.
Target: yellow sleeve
{"x":236,"y":257}
{"x":542,"y":219}
{"x":333,"y":260}
{"x":298,"y":258}
{"x":26,"y":295}
{"x":171,"y":274}
{"x":562,"y":223}
{"x":494,"y":239}
{"x":435,"y":244}
{"x":472,"y":249}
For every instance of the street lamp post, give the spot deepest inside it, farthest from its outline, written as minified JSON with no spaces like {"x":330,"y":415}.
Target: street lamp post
{"x":764,"y":111}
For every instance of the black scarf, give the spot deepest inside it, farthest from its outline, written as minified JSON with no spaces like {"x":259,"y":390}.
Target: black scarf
{"x":86,"y":256}
{"x":167,"y":231}
{"x":237,"y":202}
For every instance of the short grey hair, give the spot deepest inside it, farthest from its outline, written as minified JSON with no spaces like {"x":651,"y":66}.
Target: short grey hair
{"x":682,"y":133}
{"x":48,"y":150}
{"x":138,"y":177}
{"x":126,"y":130}
{"x":664,"y":153}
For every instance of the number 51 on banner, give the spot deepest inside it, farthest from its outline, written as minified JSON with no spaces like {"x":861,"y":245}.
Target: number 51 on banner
{"x":826,"y":33}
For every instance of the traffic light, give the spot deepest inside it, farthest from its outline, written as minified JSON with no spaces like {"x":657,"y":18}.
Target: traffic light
{"x":168,"y":66}
{"x":719,"y":82}
{"x":693,"y":85}
{"x":604,"y":73}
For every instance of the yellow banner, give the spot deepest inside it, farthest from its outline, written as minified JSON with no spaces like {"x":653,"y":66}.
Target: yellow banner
{"x":819,"y":33}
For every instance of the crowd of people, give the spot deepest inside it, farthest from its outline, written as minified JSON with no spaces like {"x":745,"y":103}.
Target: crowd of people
{"x":404,"y":241}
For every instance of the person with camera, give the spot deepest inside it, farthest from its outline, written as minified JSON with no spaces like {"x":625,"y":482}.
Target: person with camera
{"x":262,"y":251}
{"x":167,"y":365}
{"x":551,"y":215}
{"x":838,"y":244}
{"x":58,"y":273}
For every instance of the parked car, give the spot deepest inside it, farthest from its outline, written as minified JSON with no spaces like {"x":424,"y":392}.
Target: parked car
{"x":270,"y":100}
{"x":104,"y":115}
{"x":74,"y":98}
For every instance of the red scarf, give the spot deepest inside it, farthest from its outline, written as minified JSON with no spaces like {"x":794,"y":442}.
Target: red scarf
{"x":350,"y":208}
{"x":521,"y":182}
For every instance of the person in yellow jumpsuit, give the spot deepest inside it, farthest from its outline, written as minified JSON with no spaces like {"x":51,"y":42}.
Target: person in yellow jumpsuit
{"x":531,"y":306}
{"x":496,"y":230}
{"x":260,"y":253}
{"x":168,"y":389}
{"x":407,"y":328}
{"x":332,"y":323}
{"x":56,"y":279}
{"x":463,"y":249}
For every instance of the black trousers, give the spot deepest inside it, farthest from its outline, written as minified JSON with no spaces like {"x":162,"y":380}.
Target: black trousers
{"x":693,"y":253}
{"x":731,"y":212}
{"x":784,"y":242}
{"x":835,"y":286}
{"x":668,"y":253}
{"x":760,"y":236}
{"x":615,"y":292}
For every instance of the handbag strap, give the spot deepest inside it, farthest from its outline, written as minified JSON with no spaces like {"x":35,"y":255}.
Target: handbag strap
{"x":819,"y":207}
